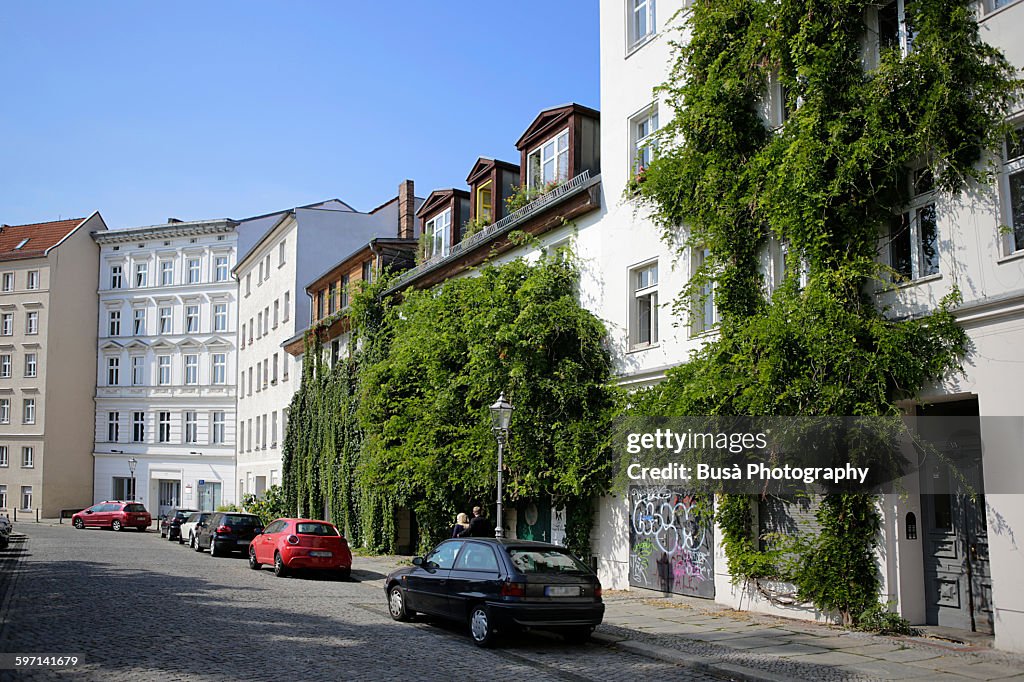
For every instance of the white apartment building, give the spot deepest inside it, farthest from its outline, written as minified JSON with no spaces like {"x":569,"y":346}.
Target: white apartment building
{"x":166,"y":365}
{"x":47,"y":364}
{"x":282,"y":253}
{"x":945,"y":559}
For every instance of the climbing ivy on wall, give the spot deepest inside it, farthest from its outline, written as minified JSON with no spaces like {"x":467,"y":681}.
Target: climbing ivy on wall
{"x":404,"y":421}
{"x":827,"y":184}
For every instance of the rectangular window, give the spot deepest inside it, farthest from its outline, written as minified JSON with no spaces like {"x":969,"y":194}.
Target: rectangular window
{"x":642,"y":134}
{"x":163,"y":427}
{"x":1014,"y":174}
{"x":138,"y":370}
{"x":241,"y":339}
{"x":28,"y":459}
{"x":193,"y":271}
{"x":222,"y":268}
{"x":705,"y":314}
{"x":113,"y":427}
{"x":163,"y":363}
{"x":7,"y":324}
{"x":277,"y":312}
{"x":113,"y":371}
{"x":284,"y":368}
{"x":266,"y":268}
{"x":485,"y":202}
{"x":641,"y":21}
{"x":259,"y":420}
{"x":274,"y":379}
{"x":217,"y":433}
{"x":263,"y":433}
{"x":33,"y":279}
{"x":438,"y":231}
{"x":280,"y":254}
{"x":913,"y":235}
{"x":116,"y":277}
{"x":123,"y":488}
{"x":191,"y":427}
{"x":259,"y":377}
{"x":141,"y":274}
{"x":248,"y":428}
{"x":167,"y":273}
{"x":165,"y":320}
{"x":248,"y":284}
{"x":114,"y":323}
{"x":3,"y":488}
{"x":5,"y":410}
{"x":138,"y":427}
{"x":266,"y":372}
{"x":8,"y":281}
{"x":191,"y":319}
{"x":367,"y":274}
{"x":644,"y":305}
{"x":241,"y":385}
{"x":4,"y":462}
{"x":32,"y":322}
{"x":26,"y":498}
{"x":273,"y":429}
{"x":287,"y":306}
{"x":28,"y":411}
{"x":332,"y":298}
{"x":548,"y":164}
{"x":344,"y":292}
{"x":31,"y":365}
{"x":139,"y":322}
{"x":220,"y":365}
{"x":266,"y":320}
{"x":220,"y":317}
{"x":5,"y":366}
{"x":191,"y":370}
{"x":259,"y":325}
{"x":250,"y":382}
{"x":251,"y":332}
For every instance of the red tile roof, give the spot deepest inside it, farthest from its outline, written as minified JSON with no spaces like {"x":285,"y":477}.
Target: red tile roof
{"x":41,"y":236}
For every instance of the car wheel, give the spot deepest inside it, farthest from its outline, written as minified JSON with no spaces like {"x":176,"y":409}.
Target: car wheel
{"x":181,"y":539}
{"x":280,"y":570}
{"x":343,"y":573}
{"x":143,"y":529}
{"x":396,"y":605}
{"x":253,"y":564}
{"x":480,"y":628}
{"x":116,"y":525}
{"x":578,"y":635}
{"x":194,"y":542}
{"x":213,"y":548}
{"x":78,"y":523}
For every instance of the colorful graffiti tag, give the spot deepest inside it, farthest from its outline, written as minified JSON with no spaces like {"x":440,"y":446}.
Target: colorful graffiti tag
{"x":670,"y":548}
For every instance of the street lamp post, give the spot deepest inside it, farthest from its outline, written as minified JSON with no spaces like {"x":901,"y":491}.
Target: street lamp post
{"x":501,"y":416}
{"x":131,"y":467}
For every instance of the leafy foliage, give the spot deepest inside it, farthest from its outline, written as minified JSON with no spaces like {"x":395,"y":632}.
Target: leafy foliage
{"x":826,"y":184}
{"x":271,"y":505}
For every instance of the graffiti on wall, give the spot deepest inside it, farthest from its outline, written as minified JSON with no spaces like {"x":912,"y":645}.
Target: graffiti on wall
{"x":670,"y":548}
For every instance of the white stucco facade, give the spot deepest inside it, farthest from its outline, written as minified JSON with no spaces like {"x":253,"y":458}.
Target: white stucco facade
{"x":165,"y":378}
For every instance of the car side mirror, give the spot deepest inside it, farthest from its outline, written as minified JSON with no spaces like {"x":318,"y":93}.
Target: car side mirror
{"x":88,"y":511}
{"x":417,"y":561}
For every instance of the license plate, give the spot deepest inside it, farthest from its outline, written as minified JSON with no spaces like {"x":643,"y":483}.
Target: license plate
{"x":242,"y":542}
{"x":321,"y":554}
{"x":562,"y":591}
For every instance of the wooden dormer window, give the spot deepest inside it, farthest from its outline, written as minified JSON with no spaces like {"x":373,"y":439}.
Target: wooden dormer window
{"x":485,"y":202}
{"x":438,"y":230}
{"x":549,"y":163}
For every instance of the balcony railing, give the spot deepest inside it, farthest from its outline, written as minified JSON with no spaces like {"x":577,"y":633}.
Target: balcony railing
{"x":506,"y":224}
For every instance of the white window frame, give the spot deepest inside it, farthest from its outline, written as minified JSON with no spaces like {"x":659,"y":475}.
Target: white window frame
{"x":163,"y":370}
{"x":116,"y":277}
{"x":195,"y":269}
{"x":191,"y":366}
{"x":166,"y":273}
{"x":438,"y":230}
{"x":28,"y":457}
{"x":138,"y":322}
{"x":166,"y":319}
{"x":222,"y":272}
{"x":704,"y":313}
{"x":114,"y":323}
{"x":6,"y":366}
{"x":113,"y":427}
{"x":138,"y":427}
{"x":641,"y":23}
{"x":220,"y":317}
{"x":113,"y":370}
{"x":220,"y":368}
{"x":191,"y":418}
{"x":138,"y":370}
{"x":7,"y":324}
{"x":32,"y":322}
{"x":192,"y":319}
{"x":31,"y":365}
{"x":912,"y":220}
{"x":141,"y":275}
{"x":28,"y":411}
{"x":217,"y":420}
{"x":163,"y":427}
{"x":26,"y":498}
{"x":8,"y":282}
{"x":549,"y":151}
{"x":286,"y":307}
{"x":33,"y":280}
{"x":1013,"y":241}
{"x":643,"y":305}
{"x":5,"y":410}
{"x":643,"y":128}
{"x":5,"y":462}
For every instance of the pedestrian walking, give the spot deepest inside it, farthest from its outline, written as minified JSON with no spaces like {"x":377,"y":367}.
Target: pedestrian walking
{"x":461,"y":525}
{"x":480,"y":526}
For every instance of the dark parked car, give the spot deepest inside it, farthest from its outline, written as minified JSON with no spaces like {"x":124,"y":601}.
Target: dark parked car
{"x":499,"y":585}
{"x":170,"y":523}
{"x":116,"y":515}
{"x":227,"y":532}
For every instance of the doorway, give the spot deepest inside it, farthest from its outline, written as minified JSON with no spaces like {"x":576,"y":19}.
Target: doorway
{"x":168,"y":496}
{"x":957,"y":575}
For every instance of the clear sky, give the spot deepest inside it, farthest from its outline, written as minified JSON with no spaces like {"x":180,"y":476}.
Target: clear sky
{"x":194,"y":110}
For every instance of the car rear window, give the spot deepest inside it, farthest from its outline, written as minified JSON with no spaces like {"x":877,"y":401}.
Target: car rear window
{"x":241,"y":521}
{"x":181,"y":514}
{"x":135,"y":508}
{"x":531,"y":560}
{"x":323,"y":529}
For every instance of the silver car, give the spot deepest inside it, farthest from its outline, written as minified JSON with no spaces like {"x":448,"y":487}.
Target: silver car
{"x":188,"y":527}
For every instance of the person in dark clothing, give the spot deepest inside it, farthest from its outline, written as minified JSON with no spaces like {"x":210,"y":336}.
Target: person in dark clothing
{"x":461,"y":525}
{"x":479,"y":526}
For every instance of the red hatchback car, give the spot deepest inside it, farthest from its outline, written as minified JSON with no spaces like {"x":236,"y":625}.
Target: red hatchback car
{"x":290,"y":544}
{"x":114,"y":515}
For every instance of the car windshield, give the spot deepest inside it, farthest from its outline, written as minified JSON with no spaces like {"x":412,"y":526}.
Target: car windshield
{"x":531,"y":560}
{"x":182,"y":514}
{"x":241,"y":521}
{"x":324,"y":529}
{"x":134,"y":508}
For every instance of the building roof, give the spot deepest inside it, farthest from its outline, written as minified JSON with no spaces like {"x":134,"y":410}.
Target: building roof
{"x":35,"y":239}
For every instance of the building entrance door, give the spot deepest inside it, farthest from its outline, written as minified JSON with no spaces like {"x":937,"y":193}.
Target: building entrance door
{"x":958,"y":581}
{"x":168,"y":496}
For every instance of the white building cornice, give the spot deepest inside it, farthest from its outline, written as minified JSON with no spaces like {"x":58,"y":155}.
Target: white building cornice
{"x":170,"y":230}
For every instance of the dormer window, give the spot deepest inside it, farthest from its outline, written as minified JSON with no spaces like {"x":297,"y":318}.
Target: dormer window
{"x":485,"y":202}
{"x":21,"y":244}
{"x":438,"y":230}
{"x":549,"y":163}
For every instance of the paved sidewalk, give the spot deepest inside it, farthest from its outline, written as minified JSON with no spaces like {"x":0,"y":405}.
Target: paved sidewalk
{"x":711,"y":638}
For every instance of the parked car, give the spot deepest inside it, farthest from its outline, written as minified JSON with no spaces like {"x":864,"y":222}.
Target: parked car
{"x":170,"y":523}
{"x":226,"y":532}
{"x":116,"y":515}
{"x":5,"y":531}
{"x":499,"y":585}
{"x":290,"y":544}
{"x":189,"y":526}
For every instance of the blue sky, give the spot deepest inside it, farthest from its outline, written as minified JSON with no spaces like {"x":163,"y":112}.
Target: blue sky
{"x":147,"y":110}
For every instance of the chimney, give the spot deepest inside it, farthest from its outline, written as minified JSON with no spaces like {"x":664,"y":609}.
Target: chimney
{"x":406,"y":210}
{"x":172,"y":221}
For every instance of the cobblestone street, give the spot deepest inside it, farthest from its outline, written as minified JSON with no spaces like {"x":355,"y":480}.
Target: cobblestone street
{"x":137,"y":607}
